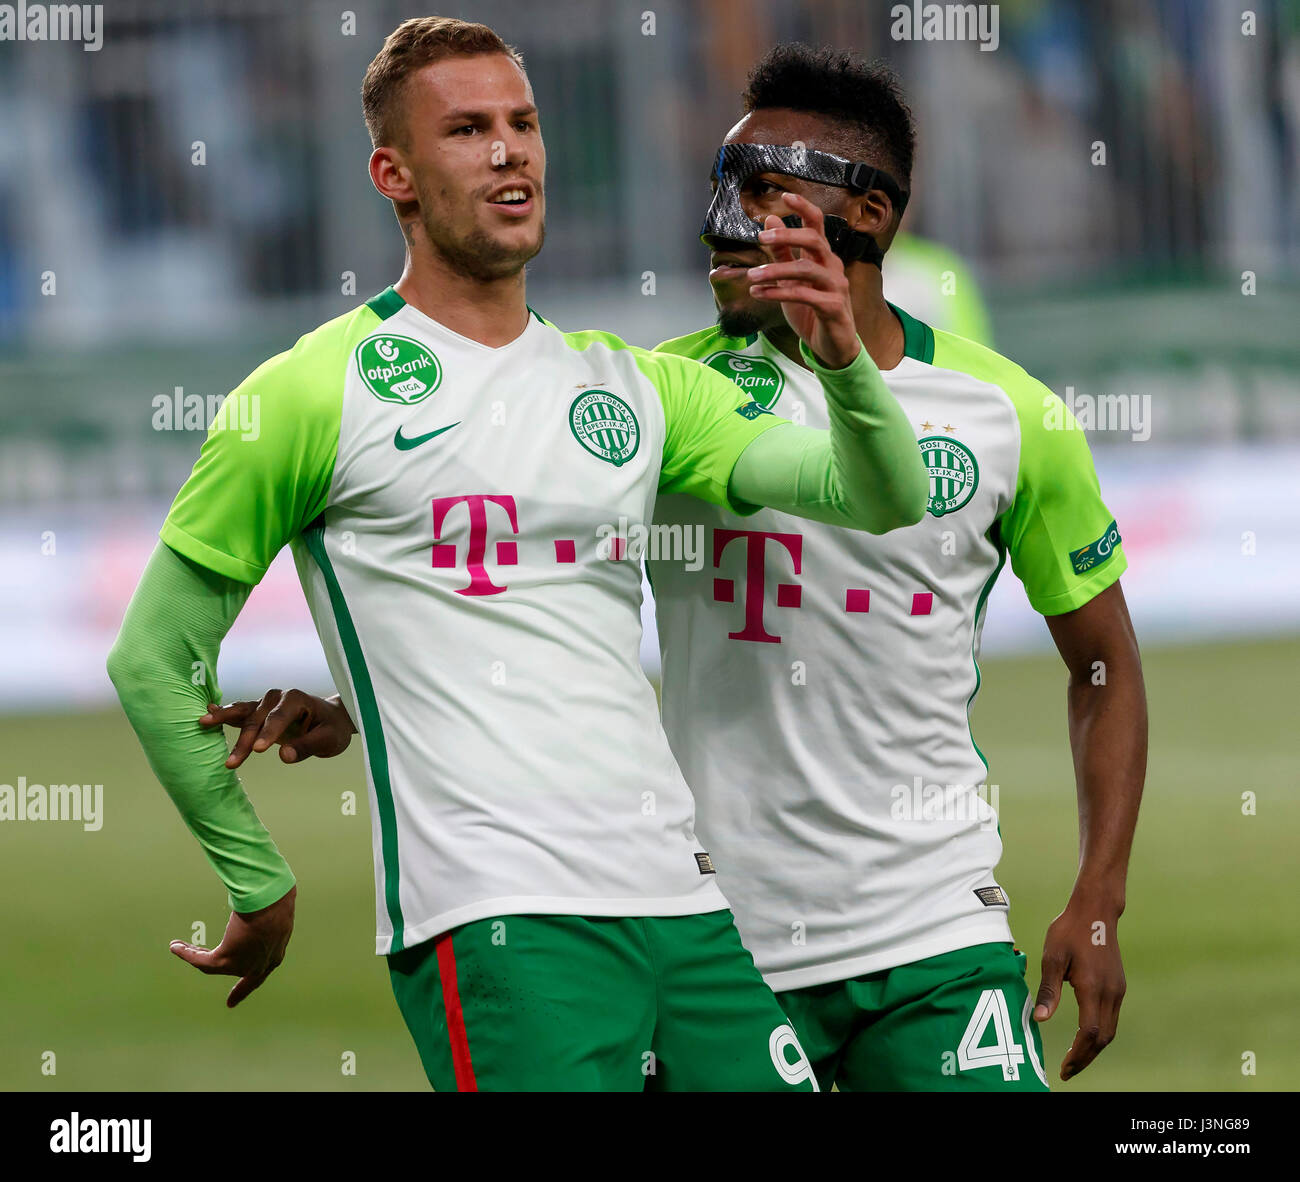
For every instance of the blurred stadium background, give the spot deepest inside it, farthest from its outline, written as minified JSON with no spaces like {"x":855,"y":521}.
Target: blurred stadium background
{"x":130,"y":270}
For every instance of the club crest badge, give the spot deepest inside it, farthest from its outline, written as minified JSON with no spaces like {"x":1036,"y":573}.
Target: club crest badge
{"x":605,"y":425}
{"x":953,"y":473}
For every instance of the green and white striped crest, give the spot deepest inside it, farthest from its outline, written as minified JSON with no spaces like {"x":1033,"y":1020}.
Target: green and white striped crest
{"x":953,"y":473}
{"x":605,"y":425}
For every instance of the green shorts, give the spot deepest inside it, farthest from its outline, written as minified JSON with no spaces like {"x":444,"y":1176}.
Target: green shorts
{"x":568,"y":1003}
{"x":958,"y":1022}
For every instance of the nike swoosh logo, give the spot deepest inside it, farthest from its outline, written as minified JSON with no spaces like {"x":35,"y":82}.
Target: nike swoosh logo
{"x":405,"y":444}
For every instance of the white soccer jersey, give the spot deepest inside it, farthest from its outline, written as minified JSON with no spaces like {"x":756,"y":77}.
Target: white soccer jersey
{"x":817,"y":682}
{"x":448,"y":506}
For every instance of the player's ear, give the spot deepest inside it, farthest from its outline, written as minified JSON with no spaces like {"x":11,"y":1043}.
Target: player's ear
{"x":874,"y":213}
{"x":389,"y":174}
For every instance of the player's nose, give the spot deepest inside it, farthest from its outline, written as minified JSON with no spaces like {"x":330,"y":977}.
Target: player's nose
{"x":510,"y":147}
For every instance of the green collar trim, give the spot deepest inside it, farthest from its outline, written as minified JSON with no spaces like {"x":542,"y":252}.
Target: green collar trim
{"x":387,"y":303}
{"x":918,"y":338}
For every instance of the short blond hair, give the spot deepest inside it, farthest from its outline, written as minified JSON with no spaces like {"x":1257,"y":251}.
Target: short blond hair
{"x":414,"y":44}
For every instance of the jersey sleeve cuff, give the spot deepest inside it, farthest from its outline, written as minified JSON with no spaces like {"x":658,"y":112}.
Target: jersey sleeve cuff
{"x":264,"y":896}
{"x":835,"y":376}
{"x":196,"y":551}
{"x":1081,"y":593}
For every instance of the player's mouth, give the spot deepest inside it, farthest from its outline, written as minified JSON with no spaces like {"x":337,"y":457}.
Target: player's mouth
{"x":514,"y":200}
{"x":729,"y":265}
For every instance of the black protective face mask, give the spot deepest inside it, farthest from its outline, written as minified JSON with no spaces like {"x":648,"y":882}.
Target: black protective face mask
{"x":727,"y":221}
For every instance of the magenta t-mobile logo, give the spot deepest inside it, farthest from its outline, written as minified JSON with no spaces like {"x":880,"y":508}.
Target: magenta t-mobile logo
{"x":724,"y":590}
{"x":444,"y":553}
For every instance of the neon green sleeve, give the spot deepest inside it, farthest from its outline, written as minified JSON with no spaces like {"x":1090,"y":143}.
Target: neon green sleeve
{"x":265,"y":470}
{"x":708,"y":422}
{"x":864,"y":473}
{"x":1063,"y":542}
{"x":163,"y":665}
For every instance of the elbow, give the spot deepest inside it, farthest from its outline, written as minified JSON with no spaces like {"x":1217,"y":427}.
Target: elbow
{"x":919,"y":495}
{"x":888,"y":525}
{"x":914,"y":504}
{"x":124,"y":668}
{"x":115,"y":666}
{"x":915,"y":509}
{"x":904,"y":511}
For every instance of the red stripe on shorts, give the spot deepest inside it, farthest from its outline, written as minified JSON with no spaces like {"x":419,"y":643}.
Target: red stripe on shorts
{"x":465,"y":1081}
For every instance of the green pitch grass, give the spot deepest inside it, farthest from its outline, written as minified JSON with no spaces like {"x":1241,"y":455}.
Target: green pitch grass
{"x":1209,"y":938}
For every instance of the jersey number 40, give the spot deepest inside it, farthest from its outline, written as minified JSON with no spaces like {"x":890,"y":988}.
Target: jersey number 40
{"x":1003,"y":1051}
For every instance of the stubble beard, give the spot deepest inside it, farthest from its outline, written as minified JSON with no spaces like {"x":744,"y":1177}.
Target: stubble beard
{"x":741,"y":322}
{"x":478,"y":255}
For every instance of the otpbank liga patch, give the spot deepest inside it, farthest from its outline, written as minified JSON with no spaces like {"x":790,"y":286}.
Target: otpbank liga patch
{"x":398,"y":369}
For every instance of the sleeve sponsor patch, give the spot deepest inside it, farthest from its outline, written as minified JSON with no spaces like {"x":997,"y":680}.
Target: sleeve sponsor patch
{"x":751,"y":410}
{"x":1095,"y":553}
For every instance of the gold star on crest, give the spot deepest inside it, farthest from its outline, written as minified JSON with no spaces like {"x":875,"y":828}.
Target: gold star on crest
{"x":949,"y":429}
{"x":927,"y":426}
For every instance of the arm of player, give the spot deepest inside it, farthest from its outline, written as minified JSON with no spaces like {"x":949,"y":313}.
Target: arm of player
{"x":1108,"y":737}
{"x":1065,"y":546}
{"x":163,"y":666}
{"x":866,"y":472}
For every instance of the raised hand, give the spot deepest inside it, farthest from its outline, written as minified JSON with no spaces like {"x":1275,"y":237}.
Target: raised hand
{"x":808,"y":281}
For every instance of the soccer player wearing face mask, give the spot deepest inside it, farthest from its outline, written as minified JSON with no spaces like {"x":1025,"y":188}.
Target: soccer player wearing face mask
{"x":841,"y":790}
{"x":442,"y":462}
{"x":843,"y":793}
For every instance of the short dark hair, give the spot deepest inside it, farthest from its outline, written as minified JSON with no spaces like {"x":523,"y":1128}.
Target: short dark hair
{"x":414,"y":44}
{"x":865,"y":98}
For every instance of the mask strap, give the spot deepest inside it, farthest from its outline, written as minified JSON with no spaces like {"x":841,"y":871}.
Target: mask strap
{"x":853,"y":245}
{"x":864,"y":178}
{"x":850,"y":245}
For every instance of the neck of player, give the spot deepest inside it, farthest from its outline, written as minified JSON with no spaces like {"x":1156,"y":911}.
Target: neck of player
{"x":878,"y":327}
{"x":492,"y":312}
